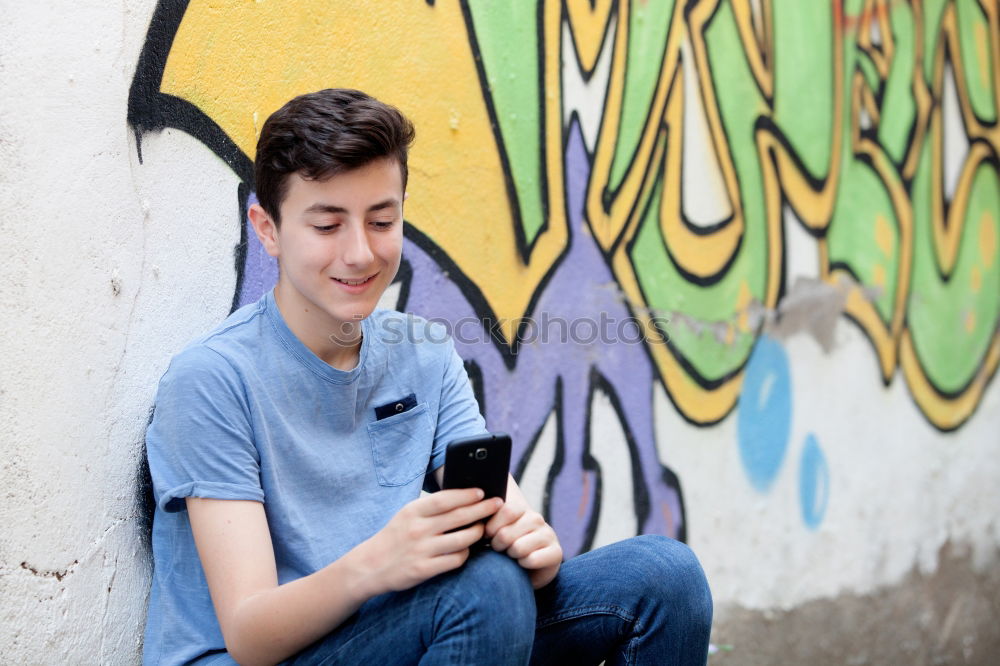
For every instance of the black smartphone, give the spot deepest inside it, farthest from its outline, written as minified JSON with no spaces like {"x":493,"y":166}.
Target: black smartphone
{"x":482,"y":461}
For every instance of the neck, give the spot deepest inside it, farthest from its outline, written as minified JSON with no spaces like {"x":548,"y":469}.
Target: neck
{"x":342,"y":357}
{"x":335,"y":343}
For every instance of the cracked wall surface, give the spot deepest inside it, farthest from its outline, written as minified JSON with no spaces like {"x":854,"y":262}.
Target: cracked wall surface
{"x":728,"y":271}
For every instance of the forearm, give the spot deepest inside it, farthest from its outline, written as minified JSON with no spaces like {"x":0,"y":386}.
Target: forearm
{"x":273,"y":624}
{"x":263,"y":622}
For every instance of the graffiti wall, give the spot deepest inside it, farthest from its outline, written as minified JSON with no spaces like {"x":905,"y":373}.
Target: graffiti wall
{"x":727,"y":270}
{"x":602,"y":190}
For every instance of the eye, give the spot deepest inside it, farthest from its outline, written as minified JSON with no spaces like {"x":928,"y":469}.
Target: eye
{"x":325,"y":229}
{"x":383,"y":224}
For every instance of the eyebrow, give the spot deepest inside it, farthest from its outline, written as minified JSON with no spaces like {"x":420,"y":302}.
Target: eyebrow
{"x":391,"y":202}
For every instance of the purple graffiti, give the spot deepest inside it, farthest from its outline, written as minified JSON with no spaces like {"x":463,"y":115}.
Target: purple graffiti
{"x":519,"y":400}
{"x":260,"y":270}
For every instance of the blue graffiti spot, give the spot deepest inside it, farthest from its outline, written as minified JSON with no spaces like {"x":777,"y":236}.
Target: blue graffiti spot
{"x":765,"y":412}
{"x":814,"y":483}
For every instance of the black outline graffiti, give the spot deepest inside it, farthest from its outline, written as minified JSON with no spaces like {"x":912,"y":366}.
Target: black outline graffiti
{"x":560,"y":447}
{"x":240,"y":251}
{"x":587,"y":74}
{"x":404,"y":276}
{"x":150,"y":110}
{"x":640,"y":494}
{"x":475,"y":374}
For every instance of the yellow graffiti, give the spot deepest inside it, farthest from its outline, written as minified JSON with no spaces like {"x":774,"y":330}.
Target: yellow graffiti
{"x":942,"y":410}
{"x":239,"y":61}
{"x":609,"y":221}
{"x":589,"y":24}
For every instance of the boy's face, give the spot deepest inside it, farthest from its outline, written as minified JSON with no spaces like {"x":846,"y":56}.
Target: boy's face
{"x":339,"y":244}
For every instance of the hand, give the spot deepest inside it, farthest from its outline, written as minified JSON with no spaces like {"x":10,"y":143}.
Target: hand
{"x":416,"y":544}
{"x":524,"y":535}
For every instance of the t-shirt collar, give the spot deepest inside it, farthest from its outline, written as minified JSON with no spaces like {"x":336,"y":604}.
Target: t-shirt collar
{"x":306,"y":356}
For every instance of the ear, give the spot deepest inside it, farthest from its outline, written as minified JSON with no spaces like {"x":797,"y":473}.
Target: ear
{"x":265,"y":228}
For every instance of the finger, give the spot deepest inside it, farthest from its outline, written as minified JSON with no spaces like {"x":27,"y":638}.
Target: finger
{"x":541,"y":577}
{"x":507,"y":515}
{"x":464,"y":515}
{"x":450,"y":561}
{"x":458,"y":540}
{"x":446,"y":500}
{"x":442,"y":563}
{"x":529,"y":543}
{"x":505,"y":536}
{"x":544,"y":557}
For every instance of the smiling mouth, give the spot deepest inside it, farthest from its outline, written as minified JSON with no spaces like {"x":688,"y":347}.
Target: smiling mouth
{"x":354,"y":283}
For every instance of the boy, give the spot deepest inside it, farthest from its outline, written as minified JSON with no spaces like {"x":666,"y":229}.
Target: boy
{"x":289,"y":446}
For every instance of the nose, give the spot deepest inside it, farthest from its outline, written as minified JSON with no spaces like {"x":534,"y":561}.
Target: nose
{"x":357,"y":250}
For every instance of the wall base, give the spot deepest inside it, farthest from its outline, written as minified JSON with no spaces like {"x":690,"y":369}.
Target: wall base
{"x":951,"y":616}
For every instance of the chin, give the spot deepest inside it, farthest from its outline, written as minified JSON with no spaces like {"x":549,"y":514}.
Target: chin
{"x":359,"y":313}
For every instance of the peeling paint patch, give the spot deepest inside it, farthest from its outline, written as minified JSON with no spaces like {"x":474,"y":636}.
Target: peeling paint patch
{"x":58,"y":574}
{"x":811,"y":307}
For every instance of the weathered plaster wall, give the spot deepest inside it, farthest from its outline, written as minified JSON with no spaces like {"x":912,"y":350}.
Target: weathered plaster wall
{"x":797,"y":205}
{"x":99,"y":288}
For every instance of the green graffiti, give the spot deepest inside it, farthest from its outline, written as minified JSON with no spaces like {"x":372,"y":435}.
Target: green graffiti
{"x":506,"y":33}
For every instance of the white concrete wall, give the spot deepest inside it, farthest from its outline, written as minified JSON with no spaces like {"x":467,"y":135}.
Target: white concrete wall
{"x":111,"y":265}
{"x":99,"y":289}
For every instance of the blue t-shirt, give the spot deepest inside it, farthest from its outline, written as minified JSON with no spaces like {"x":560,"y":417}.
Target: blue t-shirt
{"x":248,"y":412}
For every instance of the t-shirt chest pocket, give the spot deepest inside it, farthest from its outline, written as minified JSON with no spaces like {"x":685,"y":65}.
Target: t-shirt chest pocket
{"x":401,"y":446}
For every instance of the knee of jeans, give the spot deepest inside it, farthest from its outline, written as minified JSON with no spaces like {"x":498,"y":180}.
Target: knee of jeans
{"x":675,"y":576}
{"x":497,"y":587}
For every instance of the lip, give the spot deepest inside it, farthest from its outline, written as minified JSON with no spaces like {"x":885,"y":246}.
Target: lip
{"x":356,"y":288}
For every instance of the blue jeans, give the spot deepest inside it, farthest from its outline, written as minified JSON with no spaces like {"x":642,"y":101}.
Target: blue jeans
{"x":644,"y":600}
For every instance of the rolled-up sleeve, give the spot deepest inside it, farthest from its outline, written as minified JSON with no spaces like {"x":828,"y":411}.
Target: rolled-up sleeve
{"x":200,"y":442}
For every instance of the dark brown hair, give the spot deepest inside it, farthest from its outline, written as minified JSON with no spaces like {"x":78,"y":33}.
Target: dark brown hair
{"x":323,"y":133}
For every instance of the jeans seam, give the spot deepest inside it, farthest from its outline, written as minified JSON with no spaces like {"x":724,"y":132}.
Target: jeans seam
{"x":602,"y":609}
{"x":633,"y":642}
